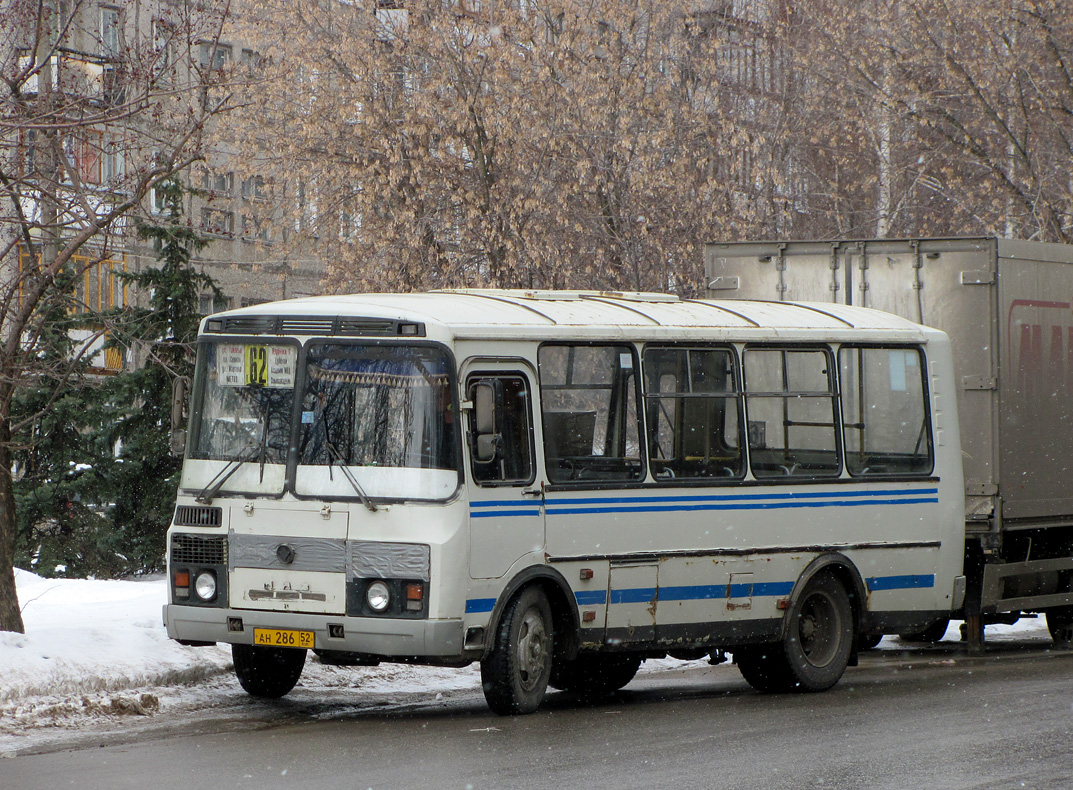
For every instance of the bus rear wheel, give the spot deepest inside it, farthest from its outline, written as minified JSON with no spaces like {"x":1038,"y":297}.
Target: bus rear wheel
{"x":931,"y":635}
{"x":816,"y":644}
{"x":595,"y":675}
{"x":268,"y":672}
{"x":515,"y":673}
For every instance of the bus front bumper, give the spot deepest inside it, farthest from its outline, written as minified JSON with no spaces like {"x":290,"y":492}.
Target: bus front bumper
{"x":434,"y":640}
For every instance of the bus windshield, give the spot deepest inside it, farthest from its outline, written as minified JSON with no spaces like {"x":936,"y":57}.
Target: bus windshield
{"x":377,"y":420}
{"x":241,"y":422}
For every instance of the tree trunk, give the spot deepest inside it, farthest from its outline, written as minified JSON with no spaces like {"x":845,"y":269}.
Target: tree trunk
{"x":10,"y":613}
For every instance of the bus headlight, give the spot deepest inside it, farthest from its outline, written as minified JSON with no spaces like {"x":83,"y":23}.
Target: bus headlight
{"x":378,"y":596}
{"x":205,"y":585}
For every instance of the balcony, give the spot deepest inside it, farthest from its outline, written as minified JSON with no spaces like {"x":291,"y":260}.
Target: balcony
{"x":78,"y":75}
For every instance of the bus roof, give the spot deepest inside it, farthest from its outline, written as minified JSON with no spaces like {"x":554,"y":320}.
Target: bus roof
{"x":475,"y":313}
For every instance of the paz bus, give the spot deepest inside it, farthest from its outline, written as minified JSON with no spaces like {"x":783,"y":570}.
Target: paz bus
{"x":561,"y":485}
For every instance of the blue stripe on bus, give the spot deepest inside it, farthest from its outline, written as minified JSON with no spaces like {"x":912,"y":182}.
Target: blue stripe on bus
{"x":908,"y":582}
{"x":591,"y":597}
{"x":580,"y":511}
{"x":707,"y":592}
{"x":747,"y":497}
{"x":480,"y":605}
{"x":530,"y":511}
{"x":668,"y":504}
{"x":633,"y":595}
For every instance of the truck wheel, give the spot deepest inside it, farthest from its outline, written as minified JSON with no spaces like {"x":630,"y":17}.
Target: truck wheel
{"x":819,"y":634}
{"x":1060,"y":624}
{"x":515,"y":673}
{"x":931,"y":635}
{"x":268,"y":672}
{"x":815,"y":647}
{"x":595,"y":675}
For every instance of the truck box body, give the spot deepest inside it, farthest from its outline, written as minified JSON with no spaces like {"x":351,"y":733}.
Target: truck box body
{"x":1008,"y":309}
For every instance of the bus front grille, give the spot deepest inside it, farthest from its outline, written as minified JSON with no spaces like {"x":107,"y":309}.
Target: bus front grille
{"x":198,"y":550}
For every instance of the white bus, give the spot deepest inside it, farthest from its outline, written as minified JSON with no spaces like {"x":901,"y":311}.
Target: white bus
{"x":560,"y":485}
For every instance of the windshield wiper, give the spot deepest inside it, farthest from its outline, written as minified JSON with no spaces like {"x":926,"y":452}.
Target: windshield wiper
{"x":248,"y":453}
{"x":356,"y":486}
{"x":333,"y":453}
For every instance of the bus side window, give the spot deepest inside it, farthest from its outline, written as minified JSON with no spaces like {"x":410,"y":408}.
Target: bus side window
{"x":501,"y":445}
{"x":693,"y":407}
{"x":589,"y":412}
{"x":790,"y":402}
{"x":885,"y":411}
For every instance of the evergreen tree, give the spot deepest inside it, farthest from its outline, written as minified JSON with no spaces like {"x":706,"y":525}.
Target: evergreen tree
{"x":60,"y":464}
{"x":98,"y":479}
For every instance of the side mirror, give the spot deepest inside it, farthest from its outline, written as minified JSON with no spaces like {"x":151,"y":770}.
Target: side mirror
{"x":178,"y":415}
{"x":486,"y":398}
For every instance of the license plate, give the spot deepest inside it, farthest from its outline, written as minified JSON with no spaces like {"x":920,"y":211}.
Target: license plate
{"x":275,"y":637}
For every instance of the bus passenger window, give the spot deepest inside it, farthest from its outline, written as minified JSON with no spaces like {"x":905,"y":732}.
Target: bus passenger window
{"x":790,"y":403}
{"x":694,"y":413}
{"x":885,"y":411}
{"x":588,"y":399}
{"x":511,"y":461}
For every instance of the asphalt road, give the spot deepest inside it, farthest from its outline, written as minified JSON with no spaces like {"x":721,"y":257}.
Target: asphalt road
{"x":932,"y":718}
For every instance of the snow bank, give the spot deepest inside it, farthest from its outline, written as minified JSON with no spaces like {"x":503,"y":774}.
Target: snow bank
{"x":84,"y":636}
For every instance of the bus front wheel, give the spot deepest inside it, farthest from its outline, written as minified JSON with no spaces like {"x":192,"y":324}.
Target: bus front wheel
{"x":515,"y":673}
{"x":268,"y":672}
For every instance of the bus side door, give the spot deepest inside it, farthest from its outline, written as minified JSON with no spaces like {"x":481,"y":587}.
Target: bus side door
{"x":506,"y":509}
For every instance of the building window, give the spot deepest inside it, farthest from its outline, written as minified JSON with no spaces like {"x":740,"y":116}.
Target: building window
{"x":219,"y":184}
{"x":57,"y":17}
{"x":253,"y":188}
{"x":217,"y":222}
{"x":215,"y":56}
{"x":163,"y":49}
{"x":256,"y":229}
{"x":112,"y":161}
{"x":83,"y":153}
{"x":250,"y":60}
{"x":109,"y":31}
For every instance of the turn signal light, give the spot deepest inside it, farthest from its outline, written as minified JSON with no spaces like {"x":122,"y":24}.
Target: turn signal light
{"x":181,"y":583}
{"x":415,"y":593}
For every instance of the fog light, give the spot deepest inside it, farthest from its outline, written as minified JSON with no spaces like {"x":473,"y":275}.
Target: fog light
{"x":378,"y":596}
{"x":205,"y":585}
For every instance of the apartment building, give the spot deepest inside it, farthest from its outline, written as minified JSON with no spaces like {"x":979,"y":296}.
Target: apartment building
{"x":100,"y":94}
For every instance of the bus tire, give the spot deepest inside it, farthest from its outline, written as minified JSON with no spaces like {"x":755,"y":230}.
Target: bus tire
{"x":595,"y":675}
{"x":764,"y":667}
{"x":931,"y":635}
{"x":819,"y":634}
{"x":268,"y":672}
{"x":816,"y":645}
{"x":515,"y":673}
{"x":1060,"y":626}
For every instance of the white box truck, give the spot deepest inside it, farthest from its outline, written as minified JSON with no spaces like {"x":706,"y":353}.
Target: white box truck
{"x":1008,"y":309}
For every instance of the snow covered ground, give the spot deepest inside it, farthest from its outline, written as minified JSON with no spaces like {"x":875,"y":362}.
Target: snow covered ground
{"x":95,"y":658}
